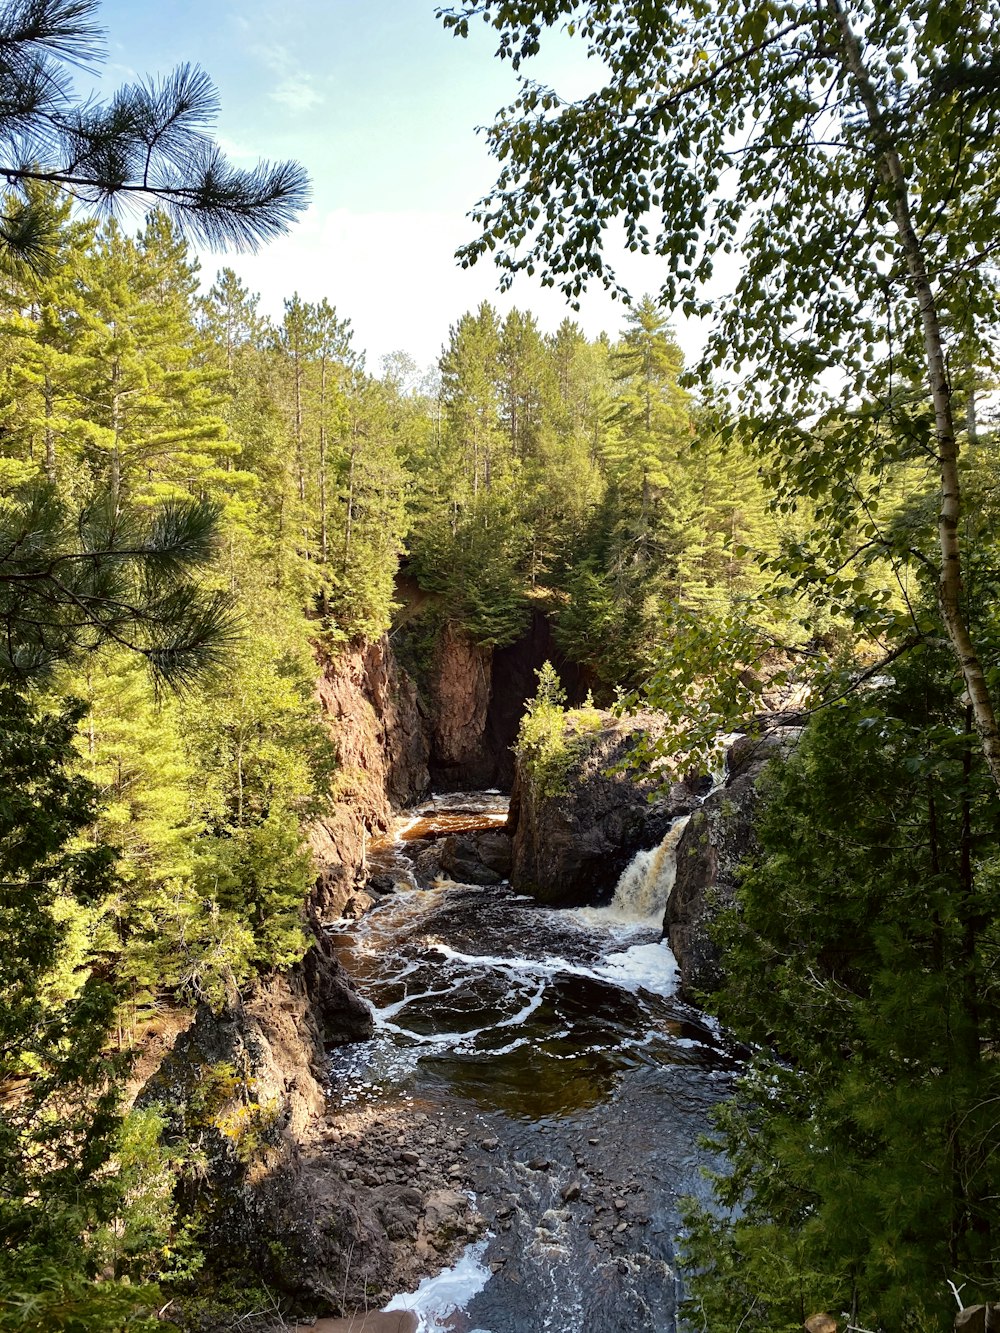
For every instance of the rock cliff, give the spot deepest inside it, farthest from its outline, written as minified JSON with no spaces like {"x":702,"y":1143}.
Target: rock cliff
{"x":383,"y":745}
{"x":473,"y":695}
{"x":242,"y":1092}
{"x":570,"y":847}
{"x":718,"y":838}
{"x":460,"y":687}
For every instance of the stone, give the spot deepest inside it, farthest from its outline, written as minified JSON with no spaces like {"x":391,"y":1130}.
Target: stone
{"x":490,"y":1144}
{"x":570,"y":847}
{"x":444,"y":1211}
{"x":539,"y":1164}
{"x":374,"y":716}
{"x":341,"y":1013}
{"x":460,"y":861}
{"x":266,"y":1052}
{"x":718,"y":838}
{"x":571,"y":1191}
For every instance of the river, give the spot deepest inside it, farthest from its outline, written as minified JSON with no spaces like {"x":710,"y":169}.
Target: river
{"x":556,"y":1039}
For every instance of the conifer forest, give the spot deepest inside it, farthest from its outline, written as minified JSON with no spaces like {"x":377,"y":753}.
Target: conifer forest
{"x":531,"y":821}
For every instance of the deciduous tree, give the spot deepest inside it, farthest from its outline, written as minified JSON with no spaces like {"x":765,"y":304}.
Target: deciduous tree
{"x":848,"y":152}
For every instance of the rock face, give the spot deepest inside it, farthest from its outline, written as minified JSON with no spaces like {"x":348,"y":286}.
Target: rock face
{"x":570,"y":849}
{"x":244,"y":1089}
{"x":383,"y":748}
{"x":476,"y":858}
{"x":718,"y":838}
{"x":514,"y":682}
{"x":473,"y":696}
{"x":460,"y":696}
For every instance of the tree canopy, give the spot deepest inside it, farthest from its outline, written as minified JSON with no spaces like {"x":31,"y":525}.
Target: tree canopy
{"x":848,"y":154}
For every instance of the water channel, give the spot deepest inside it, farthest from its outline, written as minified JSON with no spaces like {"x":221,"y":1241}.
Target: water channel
{"x":557,"y":1038}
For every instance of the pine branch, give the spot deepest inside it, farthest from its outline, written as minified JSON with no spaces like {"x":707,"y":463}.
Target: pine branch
{"x":150,"y":142}
{"x":64,"y":28}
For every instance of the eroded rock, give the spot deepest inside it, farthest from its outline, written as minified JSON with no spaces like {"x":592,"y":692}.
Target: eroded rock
{"x":718,"y":838}
{"x":383,"y":746}
{"x":570,"y":847}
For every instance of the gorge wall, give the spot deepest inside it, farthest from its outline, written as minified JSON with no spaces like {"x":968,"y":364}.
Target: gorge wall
{"x":719,"y":836}
{"x":473,"y":697}
{"x":381,"y":730}
{"x":571,"y":845}
{"x":242,"y":1090}
{"x":397,"y":738}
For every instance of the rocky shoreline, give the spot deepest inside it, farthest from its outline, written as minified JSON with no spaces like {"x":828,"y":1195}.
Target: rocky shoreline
{"x":434,"y":1180}
{"x":407,"y":1167}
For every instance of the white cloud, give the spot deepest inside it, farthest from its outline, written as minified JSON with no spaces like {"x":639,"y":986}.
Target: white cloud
{"x":295,"y":90}
{"x":297,"y":94}
{"x":394,"y":275}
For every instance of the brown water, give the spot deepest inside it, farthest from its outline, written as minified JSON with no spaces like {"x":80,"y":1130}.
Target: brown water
{"x":558,"y":1035}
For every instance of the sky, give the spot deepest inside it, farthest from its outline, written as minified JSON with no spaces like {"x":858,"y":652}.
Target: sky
{"x":380,"y":104}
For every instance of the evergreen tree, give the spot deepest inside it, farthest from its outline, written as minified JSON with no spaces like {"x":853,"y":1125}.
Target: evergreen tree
{"x":526,"y":384}
{"x":150,"y":428}
{"x":58,"y":1119}
{"x":109,"y":576}
{"x":149,"y":141}
{"x":863,"y":1150}
{"x":471,"y":396}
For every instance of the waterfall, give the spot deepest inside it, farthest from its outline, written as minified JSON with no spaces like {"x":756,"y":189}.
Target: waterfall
{"x":642,"y":891}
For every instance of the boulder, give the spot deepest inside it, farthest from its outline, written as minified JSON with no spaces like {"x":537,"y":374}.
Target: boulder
{"x":445,"y":1216}
{"x":494,"y":849}
{"x":341,"y":1015}
{"x":476,"y":858}
{"x":718,"y":838}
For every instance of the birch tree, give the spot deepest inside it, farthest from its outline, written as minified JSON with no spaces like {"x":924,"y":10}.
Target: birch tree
{"x":846,"y":152}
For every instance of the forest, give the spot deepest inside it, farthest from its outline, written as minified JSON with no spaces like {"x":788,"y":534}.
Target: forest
{"x":199,"y":504}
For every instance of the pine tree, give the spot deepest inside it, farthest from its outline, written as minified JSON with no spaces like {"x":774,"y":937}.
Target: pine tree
{"x":862,"y":1150}
{"x":148,"y":142}
{"x":151,"y":429}
{"x":471,"y":396}
{"x":58,"y":1121}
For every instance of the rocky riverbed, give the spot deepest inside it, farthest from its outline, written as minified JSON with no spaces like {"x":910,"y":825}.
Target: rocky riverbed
{"x":526,"y":1115}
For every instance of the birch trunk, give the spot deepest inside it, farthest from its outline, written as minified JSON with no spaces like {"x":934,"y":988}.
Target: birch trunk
{"x":950,"y":579}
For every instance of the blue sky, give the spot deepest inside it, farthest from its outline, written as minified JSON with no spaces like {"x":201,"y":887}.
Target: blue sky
{"x":380,"y":104}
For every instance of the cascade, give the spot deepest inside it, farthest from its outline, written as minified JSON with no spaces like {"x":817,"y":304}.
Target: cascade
{"x":645,"y":884}
{"x":511,"y":1045}
{"x":642,"y":891}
